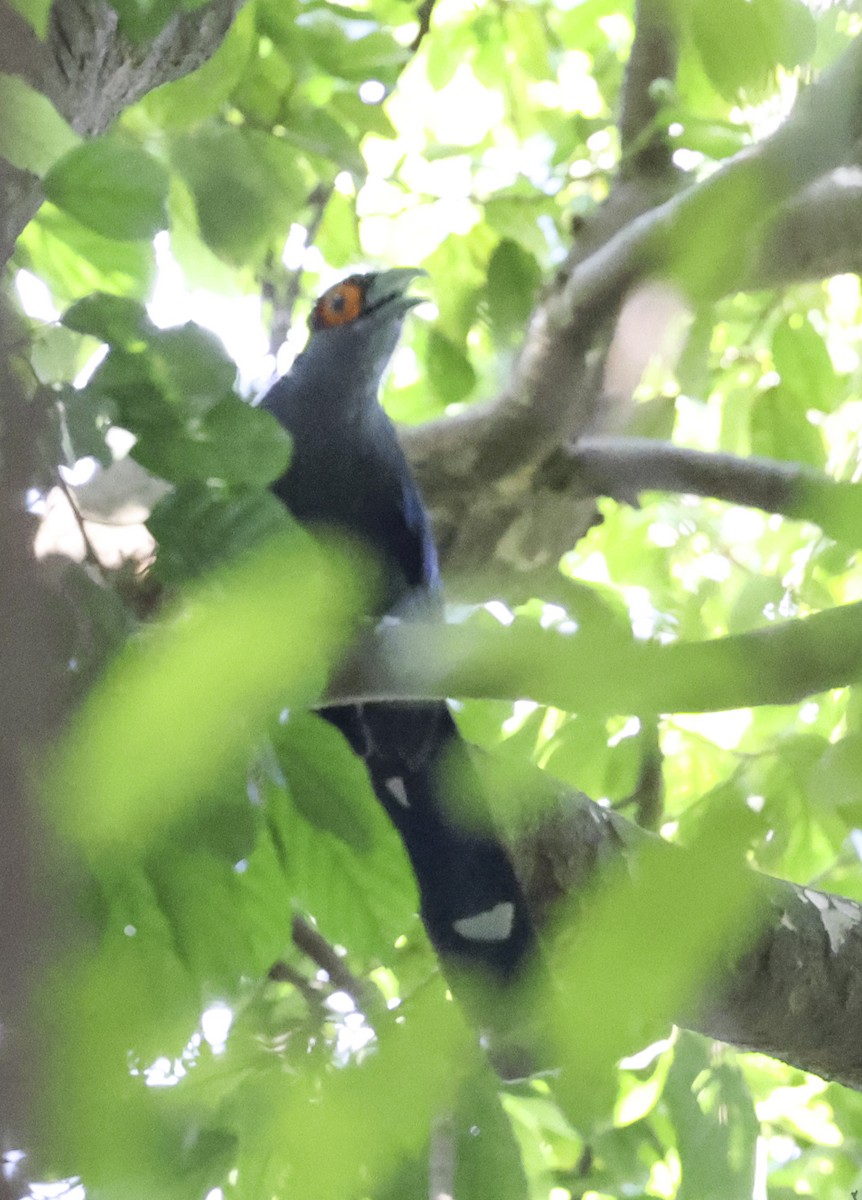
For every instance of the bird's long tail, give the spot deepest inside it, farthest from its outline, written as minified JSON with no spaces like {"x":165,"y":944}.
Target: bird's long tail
{"x":471,"y":902}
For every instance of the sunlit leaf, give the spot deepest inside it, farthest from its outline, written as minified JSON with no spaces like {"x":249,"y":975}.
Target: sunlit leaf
{"x":182,"y":700}
{"x":113,"y":187}
{"x":33,"y":135}
{"x":694,"y":908}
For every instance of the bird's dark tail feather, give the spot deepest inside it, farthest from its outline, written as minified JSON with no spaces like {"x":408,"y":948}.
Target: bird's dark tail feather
{"x":472,"y":904}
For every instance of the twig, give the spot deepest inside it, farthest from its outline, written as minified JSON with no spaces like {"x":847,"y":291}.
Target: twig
{"x":318,"y":949}
{"x":283,"y":306}
{"x":423,"y":14}
{"x":282,"y":972}
{"x":89,"y":549}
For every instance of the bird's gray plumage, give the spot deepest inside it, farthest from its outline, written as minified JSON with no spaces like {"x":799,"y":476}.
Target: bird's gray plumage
{"x":348,"y":470}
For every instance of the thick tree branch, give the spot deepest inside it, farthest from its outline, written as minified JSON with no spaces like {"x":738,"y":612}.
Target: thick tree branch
{"x":600,"y":670}
{"x":90,"y":71}
{"x":796,"y":995}
{"x":36,"y":921}
{"x":818,"y":233}
{"x":653,"y":57}
{"x":96,"y":71}
{"x":490,"y":513}
{"x":818,"y":136}
{"x":625,"y":467}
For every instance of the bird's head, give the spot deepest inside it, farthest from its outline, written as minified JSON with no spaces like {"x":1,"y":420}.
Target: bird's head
{"x":355,"y":327}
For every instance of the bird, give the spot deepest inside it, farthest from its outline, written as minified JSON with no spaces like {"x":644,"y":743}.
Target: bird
{"x":348,"y":471}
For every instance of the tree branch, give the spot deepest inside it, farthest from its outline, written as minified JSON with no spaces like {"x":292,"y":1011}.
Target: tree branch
{"x":317,"y":948}
{"x":474,"y":468}
{"x":796,"y":995}
{"x":624,"y":467}
{"x":600,"y":670}
{"x":645,"y":150}
{"x":818,"y":233}
{"x":90,"y":72}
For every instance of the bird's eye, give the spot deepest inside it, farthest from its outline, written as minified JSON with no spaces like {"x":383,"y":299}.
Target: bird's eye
{"x":339,"y":306}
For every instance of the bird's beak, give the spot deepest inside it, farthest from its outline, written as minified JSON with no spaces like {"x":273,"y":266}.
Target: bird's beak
{"x":388,"y":287}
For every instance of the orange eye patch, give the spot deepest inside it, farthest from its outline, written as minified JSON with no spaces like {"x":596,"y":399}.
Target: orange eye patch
{"x":339,"y":306}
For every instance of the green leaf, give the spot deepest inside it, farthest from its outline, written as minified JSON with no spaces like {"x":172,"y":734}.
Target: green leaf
{"x":658,"y":934}
{"x":377,"y":1111}
{"x":247,"y":188}
{"x":197,"y":527}
{"x":141,"y":20}
{"x":187,"y":102}
{"x":181,"y":702}
{"x":163,"y":380}
{"x":805,"y":365}
{"x":361,"y":899}
{"x":715,"y":1122}
{"x":316,"y":132}
{"x":87,"y":417}
{"x":835,"y":780}
{"x":224,"y":929}
{"x":487,"y":1158}
{"x":338,"y":237}
{"x":741,"y":42}
{"x":116,"y":320}
{"x":450,"y":372}
{"x":526,"y":34}
{"x":58,"y":354}
{"x":513,"y":278}
{"x":74,"y":260}
{"x":780,"y":428}
{"x":329,"y":41}
{"x":262,"y":93}
{"x":113,"y":187}
{"x":367,"y":118}
{"x":33,"y":135}
{"x":36,"y":13}
{"x":328,"y":783}
{"x":233,"y":443}
{"x":715,"y":139}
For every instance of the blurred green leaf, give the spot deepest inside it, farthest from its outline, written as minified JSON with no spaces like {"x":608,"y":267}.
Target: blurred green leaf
{"x":112,"y":187}
{"x":603,"y":966}
{"x":377,"y":1112}
{"x":187,"y":102}
{"x":117,"y":320}
{"x":742,"y":42}
{"x":182,"y":701}
{"x":316,"y":132}
{"x":804,"y":364}
{"x":449,"y":371}
{"x":513,"y":279}
{"x":780,"y":428}
{"x":164,"y":382}
{"x":324,"y":775}
{"x":143,"y":19}
{"x":247,"y":187}
{"x":197,"y":527}
{"x":344,"y":860}
{"x":717,"y":1153}
{"x":33,"y":135}
{"x":232,"y":443}
{"x":86,"y":424}
{"x":74,"y":260}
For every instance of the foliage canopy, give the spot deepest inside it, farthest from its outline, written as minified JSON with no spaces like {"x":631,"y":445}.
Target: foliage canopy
{"x":173,"y":259}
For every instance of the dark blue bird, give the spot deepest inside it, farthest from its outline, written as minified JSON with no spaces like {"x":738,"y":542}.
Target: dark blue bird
{"x":348,"y":471}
